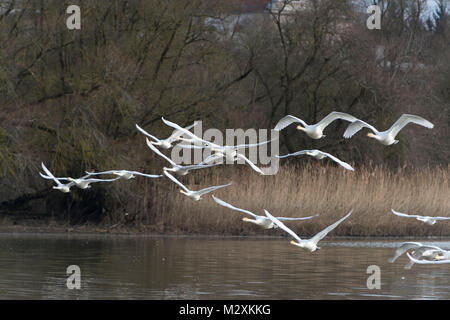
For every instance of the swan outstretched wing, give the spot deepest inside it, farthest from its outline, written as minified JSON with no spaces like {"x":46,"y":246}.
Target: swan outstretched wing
{"x":282,"y":226}
{"x":357,"y":125}
{"x":146,"y":174}
{"x":100,"y":180}
{"x":210,"y":189}
{"x":211,"y":158}
{"x":440,"y":218}
{"x":147,"y":134}
{"x":176,"y":181}
{"x":178,"y":133}
{"x":319,"y":236}
{"x":296,"y":219}
{"x":102,"y":172}
{"x":409,"y":118}
{"x":227,"y":205}
{"x":286,"y":121}
{"x":293,"y":154}
{"x":251,"y":164}
{"x":335,"y":116}
{"x":49,"y":174}
{"x":199,"y":166}
{"x":240,"y":146}
{"x":57,"y":180}
{"x":340,"y":162}
{"x":405,"y":215}
{"x":183,"y":130}
{"x":151,"y":146}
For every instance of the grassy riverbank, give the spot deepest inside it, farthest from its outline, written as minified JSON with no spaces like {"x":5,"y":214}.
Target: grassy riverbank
{"x":156,"y":206}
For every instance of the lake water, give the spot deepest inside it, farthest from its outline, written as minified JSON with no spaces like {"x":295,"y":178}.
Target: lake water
{"x":34,"y":266}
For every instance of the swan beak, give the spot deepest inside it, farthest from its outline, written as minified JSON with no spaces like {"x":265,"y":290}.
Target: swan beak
{"x":181,"y":191}
{"x":299,"y":128}
{"x":244,"y":219}
{"x":69,"y":178}
{"x":370,"y":134}
{"x":307,"y":153}
{"x":292,"y":242}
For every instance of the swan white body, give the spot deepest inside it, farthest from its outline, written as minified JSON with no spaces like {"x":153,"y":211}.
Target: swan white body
{"x":387,"y":137}
{"x":310,"y":244}
{"x":314,"y":131}
{"x":194,"y":195}
{"x":426,"y":219}
{"x":125,"y":174}
{"x":319,"y":155}
{"x":261,"y":221}
{"x":168,"y":142}
{"x":176,"y":168}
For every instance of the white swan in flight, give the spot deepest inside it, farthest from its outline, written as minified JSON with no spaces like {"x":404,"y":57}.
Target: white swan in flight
{"x":125,"y":174}
{"x":426,"y":252}
{"x":310,"y":244}
{"x":319,"y":155}
{"x":439,"y":260}
{"x":176,"y":168}
{"x":59,"y":186}
{"x":427,"y":219}
{"x":314,"y":131}
{"x":82,"y":183}
{"x":194,"y":195}
{"x":230,"y":153}
{"x":262,"y":221}
{"x":387,"y":137}
{"x":168,"y":142}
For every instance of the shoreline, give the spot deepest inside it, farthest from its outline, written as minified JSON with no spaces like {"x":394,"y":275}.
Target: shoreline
{"x":92,"y":230}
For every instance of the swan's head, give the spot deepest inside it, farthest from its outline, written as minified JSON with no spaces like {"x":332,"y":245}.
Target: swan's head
{"x":115,"y":172}
{"x":183,"y":192}
{"x":293,"y":242}
{"x":370,"y":135}
{"x":70,"y":179}
{"x":299,"y":127}
{"x":245,"y":219}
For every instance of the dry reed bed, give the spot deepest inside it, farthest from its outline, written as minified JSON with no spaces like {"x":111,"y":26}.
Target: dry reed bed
{"x":301,"y":191}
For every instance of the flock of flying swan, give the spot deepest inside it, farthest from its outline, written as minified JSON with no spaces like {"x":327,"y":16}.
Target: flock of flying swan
{"x":421,"y":254}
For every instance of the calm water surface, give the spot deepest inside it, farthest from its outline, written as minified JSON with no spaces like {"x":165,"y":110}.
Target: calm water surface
{"x":33,"y":266}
